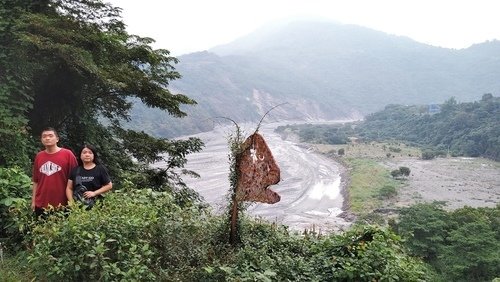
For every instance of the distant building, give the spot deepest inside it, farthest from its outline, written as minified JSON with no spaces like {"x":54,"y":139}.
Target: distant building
{"x":434,"y":108}
{"x":353,"y":140}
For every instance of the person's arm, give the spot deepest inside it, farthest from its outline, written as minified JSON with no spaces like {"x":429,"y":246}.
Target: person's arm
{"x":104,"y":178}
{"x":33,"y":195}
{"x":102,"y":190}
{"x":69,"y":191}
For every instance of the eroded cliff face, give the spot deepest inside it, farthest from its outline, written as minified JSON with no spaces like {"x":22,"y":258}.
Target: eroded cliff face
{"x":300,"y":108}
{"x":249,"y":106}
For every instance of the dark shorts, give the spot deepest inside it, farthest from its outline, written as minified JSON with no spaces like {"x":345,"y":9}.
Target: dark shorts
{"x":41,"y":213}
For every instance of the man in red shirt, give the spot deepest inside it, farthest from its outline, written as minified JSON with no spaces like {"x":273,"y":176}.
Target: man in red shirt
{"x":51,"y":170}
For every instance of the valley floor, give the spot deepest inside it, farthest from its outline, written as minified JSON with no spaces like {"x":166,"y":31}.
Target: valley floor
{"x":457,"y":182}
{"x":307,"y":169}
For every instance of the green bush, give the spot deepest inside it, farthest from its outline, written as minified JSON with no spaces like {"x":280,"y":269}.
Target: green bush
{"x":137,"y":235}
{"x":388,"y":191}
{"x":15,"y":195}
{"x":395,"y":173}
{"x":145,"y":236}
{"x":438,"y":236}
{"x":185,"y":243}
{"x":402,"y":171}
{"x":405,"y":171}
{"x":110,"y":242}
{"x":428,"y":155}
{"x":271,"y":253}
{"x":366,"y":254}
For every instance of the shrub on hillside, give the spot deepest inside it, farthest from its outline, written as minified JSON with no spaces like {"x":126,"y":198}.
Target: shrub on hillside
{"x":144,"y":235}
{"x":15,"y":194}
{"x":140,"y":235}
{"x":386,"y":192}
{"x":438,"y":236}
{"x":364,"y":254}
{"x":401,"y":171}
{"x":428,"y":155}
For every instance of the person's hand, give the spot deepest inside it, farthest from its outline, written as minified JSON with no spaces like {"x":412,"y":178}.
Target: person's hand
{"x":89,"y":194}
{"x":32,"y":205}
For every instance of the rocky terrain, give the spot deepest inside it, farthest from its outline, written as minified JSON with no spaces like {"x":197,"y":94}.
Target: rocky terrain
{"x":457,"y":182}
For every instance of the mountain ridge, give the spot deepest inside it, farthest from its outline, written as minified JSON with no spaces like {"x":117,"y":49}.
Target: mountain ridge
{"x":324,"y":71}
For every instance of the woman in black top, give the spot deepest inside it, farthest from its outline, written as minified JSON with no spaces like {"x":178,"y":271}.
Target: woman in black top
{"x":94,"y":175}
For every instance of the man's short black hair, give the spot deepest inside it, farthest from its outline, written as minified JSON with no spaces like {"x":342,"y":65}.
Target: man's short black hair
{"x":51,"y":129}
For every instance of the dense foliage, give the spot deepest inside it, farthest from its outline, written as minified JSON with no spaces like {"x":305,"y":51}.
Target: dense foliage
{"x":133,"y":236}
{"x":461,"y":129}
{"x":148,"y":236}
{"x":463,"y":245}
{"x":71,"y":65}
{"x":15,"y":190}
{"x":467,"y":129}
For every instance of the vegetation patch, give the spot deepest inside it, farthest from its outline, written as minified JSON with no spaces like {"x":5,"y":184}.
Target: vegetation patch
{"x":146,"y":236}
{"x":458,"y":129}
{"x":462,"y":245}
{"x":318,"y":133}
{"x":368,"y":181}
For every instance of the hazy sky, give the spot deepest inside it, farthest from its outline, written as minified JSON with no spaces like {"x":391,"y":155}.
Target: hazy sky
{"x":184,"y":26}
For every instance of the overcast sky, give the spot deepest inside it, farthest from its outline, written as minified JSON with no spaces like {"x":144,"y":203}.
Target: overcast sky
{"x":185,"y":26}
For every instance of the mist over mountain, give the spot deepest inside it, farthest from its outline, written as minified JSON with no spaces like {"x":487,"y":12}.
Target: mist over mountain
{"x":322,"y":71}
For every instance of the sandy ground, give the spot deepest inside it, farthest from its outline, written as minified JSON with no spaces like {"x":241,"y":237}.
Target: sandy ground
{"x":457,"y":182}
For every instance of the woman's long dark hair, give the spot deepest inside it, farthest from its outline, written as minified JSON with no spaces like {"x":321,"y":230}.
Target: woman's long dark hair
{"x":97,"y":160}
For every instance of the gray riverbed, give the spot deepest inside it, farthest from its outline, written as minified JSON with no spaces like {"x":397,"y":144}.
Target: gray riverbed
{"x":310,"y":186}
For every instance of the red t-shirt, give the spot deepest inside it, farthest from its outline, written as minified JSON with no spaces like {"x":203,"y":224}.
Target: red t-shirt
{"x":51,"y":172}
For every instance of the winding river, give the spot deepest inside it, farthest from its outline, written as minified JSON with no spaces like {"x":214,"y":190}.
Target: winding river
{"x":310,"y":186}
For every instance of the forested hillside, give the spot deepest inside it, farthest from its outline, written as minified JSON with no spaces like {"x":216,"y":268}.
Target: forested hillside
{"x":466,"y":129}
{"x":461,"y":129}
{"x":324,"y":71}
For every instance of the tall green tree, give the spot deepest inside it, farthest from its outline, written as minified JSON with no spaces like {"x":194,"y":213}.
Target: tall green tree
{"x":475,"y":236}
{"x":427,"y":226}
{"x":462,"y":245}
{"x":70,"y":64}
{"x":15,"y":77}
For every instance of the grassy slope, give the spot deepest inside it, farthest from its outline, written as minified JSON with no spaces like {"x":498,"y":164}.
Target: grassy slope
{"x":366,"y":173}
